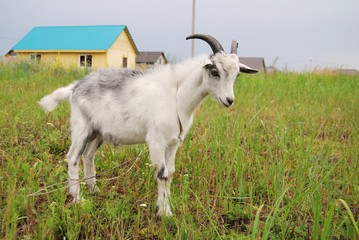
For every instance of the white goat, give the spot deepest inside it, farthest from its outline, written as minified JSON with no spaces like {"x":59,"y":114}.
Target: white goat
{"x":153,"y":106}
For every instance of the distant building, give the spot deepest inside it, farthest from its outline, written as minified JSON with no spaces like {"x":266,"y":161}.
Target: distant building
{"x":254,"y":62}
{"x":148,"y":59}
{"x":10,"y":55}
{"x":81,"y":46}
{"x":348,"y":71}
{"x":272,"y":69}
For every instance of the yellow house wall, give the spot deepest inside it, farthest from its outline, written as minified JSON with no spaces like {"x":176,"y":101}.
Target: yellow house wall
{"x":67,"y":59}
{"x":121,"y":48}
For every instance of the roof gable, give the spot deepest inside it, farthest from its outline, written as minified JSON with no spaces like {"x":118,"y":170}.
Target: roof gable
{"x":149,"y":57}
{"x":253,"y":62}
{"x":71,"y":38}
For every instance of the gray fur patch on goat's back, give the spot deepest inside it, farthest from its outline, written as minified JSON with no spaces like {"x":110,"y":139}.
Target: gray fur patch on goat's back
{"x":100,"y":81}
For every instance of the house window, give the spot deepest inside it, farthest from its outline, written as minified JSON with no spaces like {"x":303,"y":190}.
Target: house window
{"x":35,"y":57}
{"x":86,"y":61}
{"x":124,"y":62}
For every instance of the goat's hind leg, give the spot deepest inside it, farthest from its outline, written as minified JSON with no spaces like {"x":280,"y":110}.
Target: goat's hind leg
{"x":79,"y":137}
{"x":73,"y":156}
{"x":89,"y":163}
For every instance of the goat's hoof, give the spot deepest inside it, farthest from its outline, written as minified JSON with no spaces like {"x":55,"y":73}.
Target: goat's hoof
{"x":165,"y":217}
{"x":94,"y":189}
{"x":78,"y":200}
{"x":166,"y":212}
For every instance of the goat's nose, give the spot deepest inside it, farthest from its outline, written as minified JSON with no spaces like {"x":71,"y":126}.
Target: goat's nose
{"x":230,"y":101}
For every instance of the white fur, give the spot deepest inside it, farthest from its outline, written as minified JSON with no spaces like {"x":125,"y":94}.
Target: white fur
{"x":151,"y":107}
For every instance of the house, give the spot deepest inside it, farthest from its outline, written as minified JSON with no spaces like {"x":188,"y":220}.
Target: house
{"x":348,"y":71}
{"x":272,"y":69}
{"x":254,"y":62}
{"x":81,"y":46}
{"x":148,"y":59}
{"x":10,"y":56}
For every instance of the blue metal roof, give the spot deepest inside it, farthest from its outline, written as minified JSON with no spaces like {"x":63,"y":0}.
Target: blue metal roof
{"x":70,"y":38}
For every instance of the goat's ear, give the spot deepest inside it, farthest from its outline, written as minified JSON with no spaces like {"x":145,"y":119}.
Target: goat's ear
{"x":245,"y":69}
{"x":206,"y":63}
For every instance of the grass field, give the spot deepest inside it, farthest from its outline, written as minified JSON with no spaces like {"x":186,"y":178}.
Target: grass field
{"x":282,"y":163}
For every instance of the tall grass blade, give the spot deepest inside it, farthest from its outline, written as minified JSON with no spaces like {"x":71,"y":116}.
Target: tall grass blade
{"x":312,"y":188}
{"x":350,"y":215}
{"x":207,"y":215}
{"x":255,"y":229}
{"x":316,"y":205}
{"x":270,"y":220}
{"x":328,"y":222}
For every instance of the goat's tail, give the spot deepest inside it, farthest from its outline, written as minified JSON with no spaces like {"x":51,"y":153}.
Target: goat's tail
{"x":49,"y":102}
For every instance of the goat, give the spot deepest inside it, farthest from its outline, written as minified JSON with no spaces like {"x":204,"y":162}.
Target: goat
{"x":155,"y":106}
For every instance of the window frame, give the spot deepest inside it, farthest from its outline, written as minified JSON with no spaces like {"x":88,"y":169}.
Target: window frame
{"x":86,"y":62}
{"x":35,"y":57}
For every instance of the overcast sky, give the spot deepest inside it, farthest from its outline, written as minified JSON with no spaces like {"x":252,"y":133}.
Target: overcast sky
{"x":302,"y":33}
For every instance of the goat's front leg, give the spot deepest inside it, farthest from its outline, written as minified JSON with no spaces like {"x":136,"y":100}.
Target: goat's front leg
{"x":163,"y":205}
{"x":170,"y":155}
{"x":157,"y":155}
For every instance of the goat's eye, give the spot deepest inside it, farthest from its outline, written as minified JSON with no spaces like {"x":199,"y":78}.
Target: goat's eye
{"x":214,"y":73}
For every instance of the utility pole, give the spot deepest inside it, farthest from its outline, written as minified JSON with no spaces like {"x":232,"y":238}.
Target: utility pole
{"x":193,"y":23}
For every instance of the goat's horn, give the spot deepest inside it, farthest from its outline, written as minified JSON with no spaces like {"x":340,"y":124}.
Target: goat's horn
{"x":234,"y":47}
{"x":213,"y":43}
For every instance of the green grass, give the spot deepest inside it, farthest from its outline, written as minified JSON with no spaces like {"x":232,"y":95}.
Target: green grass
{"x":282,"y":163}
